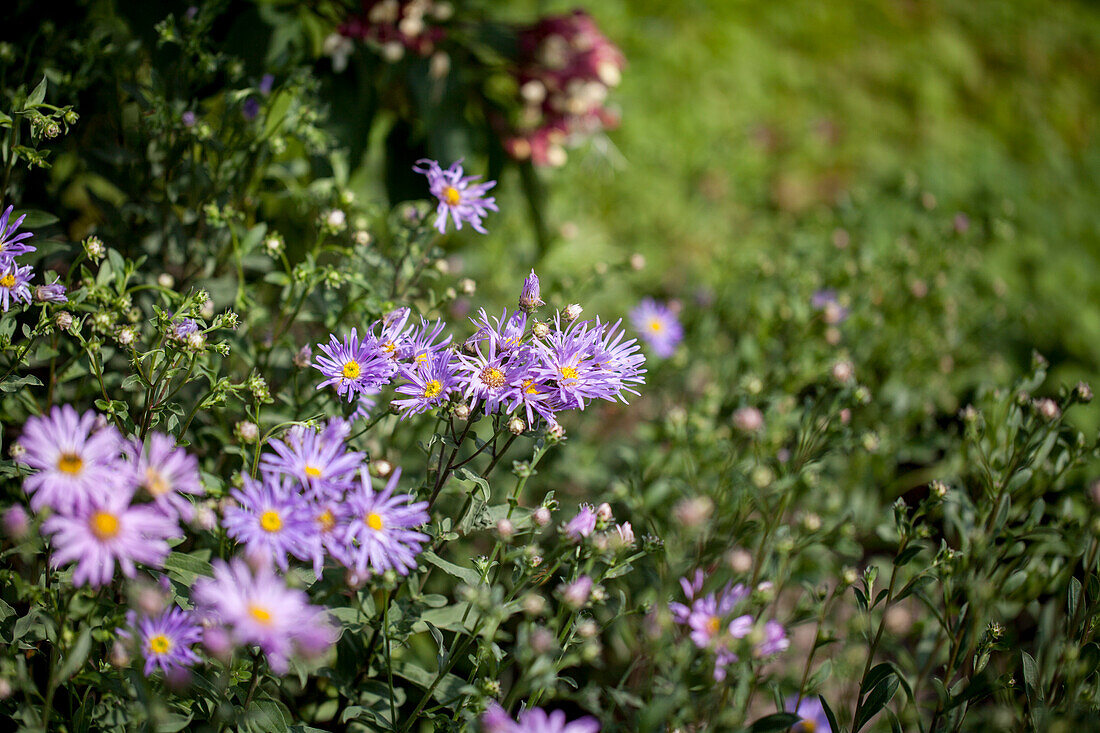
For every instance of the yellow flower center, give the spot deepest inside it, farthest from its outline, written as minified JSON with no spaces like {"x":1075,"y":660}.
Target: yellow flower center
{"x":451,"y":196}
{"x":326,"y":520}
{"x":389,"y":347}
{"x":807,"y":726}
{"x":492,"y":377}
{"x":271,"y":521}
{"x":374,"y":521}
{"x":530,"y":387}
{"x":313,"y":472}
{"x":70,"y":463}
{"x":8,"y":281}
{"x":104,"y":525}
{"x":420,"y":357}
{"x":160,"y":644}
{"x":656,"y":326}
{"x":352,"y":370}
{"x":260,"y":613}
{"x":432,"y":389}
{"x":569,"y":372}
{"x":713,"y":624}
{"x":155,"y":483}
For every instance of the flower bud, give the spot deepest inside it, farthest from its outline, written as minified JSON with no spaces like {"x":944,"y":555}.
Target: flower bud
{"x":381,"y":468}
{"x":16,"y":521}
{"x":246,"y":431}
{"x":843,"y":371}
{"x":748,"y":419}
{"x":466,"y":286}
{"x":572,"y":312}
{"x":740,"y":561}
{"x":462,"y":411}
{"x":541,"y":516}
{"x":516,"y":426}
{"x":1048,"y":408}
{"x":505,"y":529}
{"x":540,"y":330}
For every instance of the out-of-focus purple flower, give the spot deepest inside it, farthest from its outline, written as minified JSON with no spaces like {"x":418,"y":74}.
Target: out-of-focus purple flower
{"x":166,"y":472}
{"x":658,"y":326}
{"x":317,"y":459}
{"x":270,"y":521}
{"x":832,"y":311}
{"x":250,"y":108}
{"x":530,"y":298}
{"x":15,"y":284}
{"x":16,"y":522}
{"x":74,"y":464}
{"x":11,"y":244}
{"x":353,"y":366}
{"x":266,"y":82}
{"x":535,"y":720}
{"x":430,"y":384}
{"x":188,"y":118}
{"x":709,"y":614}
{"x":328,"y":517}
{"x":380,"y":533}
{"x":812,"y":712}
{"x":775,"y":640}
{"x":107,"y":530}
{"x":258,"y":608}
{"x":164,"y":640}
{"x":181,"y":329}
{"x":460,"y":198}
{"x":576,"y":593}
{"x":582,"y":524}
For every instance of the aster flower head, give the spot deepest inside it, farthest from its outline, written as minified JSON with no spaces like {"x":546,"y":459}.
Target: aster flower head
{"x":711,"y":613}
{"x":353,"y":366}
{"x":180,"y":330}
{"x":529,"y":298}
{"x":326,"y":539}
{"x":270,"y":521}
{"x":535,"y":720}
{"x":430,"y":384}
{"x":54,"y":293}
{"x":258,"y":608}
{"x":775,"y":640}
{"x":394,"y":334}
{"x":15,"y":284}
{"x":108,"y":530}
{"x":319,"y":460}
{"x":167,"y":473}
{"x":460,"y":197}
{"x":380,"y":534}
{"x":491,"y":375}
{"x":164,"y":641}
{"x":812,"y":714}
{"x":826,"y":301}
{"x":621,"y":358}
{"x":424,"y":340}
{"x":658,"y":326}
{"x":582,"y":525}
{"x":12,"y":244}
{"x":75,"y":463}
{"x":569,"y":360}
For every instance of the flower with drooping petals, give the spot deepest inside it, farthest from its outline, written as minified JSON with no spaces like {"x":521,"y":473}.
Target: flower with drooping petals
{"x":74,"y":464}
{"x":106,"y":530}
{"x":658,"y":326}
{"x":54,"y":293}
{"x":380,"y":532}
{"x":270,"y":521}
{"x":530,"y":298}
{"x":166,"y":472}
{"x":460,"y":198}
{"x":164,"y":640}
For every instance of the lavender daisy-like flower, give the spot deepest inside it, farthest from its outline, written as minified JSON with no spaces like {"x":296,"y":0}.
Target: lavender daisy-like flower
{"x":658,"y":326}
{"x":109,"y":530}
{"x":460,"y":198}
{"x":430,"y":383}
{"x":11,"y":244}
{"x":353,"y":366}
{"x":535,"y":398}
{"x":15,"y":284}
{"x":318,"y":459}
{"x":54,"y":293}
{"x":270,"y":521}
{"x":379,"y":534}
{"x":775,"y":640}
{"x":582,"y":525}
{"x":621,"y":359}
{"x":181,"y":329}
{"x":530,"y":298}
{"x":535,"y":720}
{"x":166,"y":472}
{"x":423,"y":341}
{"x":491,"y":378}
{"x":709,"y":613}
{"x":812,"y":713}
{"x":258,"y":608}
{"x":74,"y":464}
{"x":568,"y":362}
{"x":393,"y":338}
{"x":328,"y":517}
{"x":164,"y":640}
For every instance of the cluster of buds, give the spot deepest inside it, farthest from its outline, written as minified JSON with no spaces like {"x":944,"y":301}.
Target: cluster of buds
{"x":399,"y":26}
{"x":566,"y":68}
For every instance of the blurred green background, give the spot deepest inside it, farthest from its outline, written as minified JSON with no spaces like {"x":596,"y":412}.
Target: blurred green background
{"x":747,"y":125}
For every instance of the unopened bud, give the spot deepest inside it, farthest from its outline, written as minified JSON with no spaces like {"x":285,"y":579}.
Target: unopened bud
{"x":462,"y":411}
{"x":541,"y":516}
{"x":246,"y":431}
{"x":505,"y":529}
{"x":572,"y":312}
{"x":516,"y":426}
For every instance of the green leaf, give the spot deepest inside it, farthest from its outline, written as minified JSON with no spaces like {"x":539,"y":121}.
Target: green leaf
{"x":266,"y":716}
{"x":38,"y":219}
{"x":829,"y":714}
{"x":37,"y":96}
{"x":774,"y":722}
{"x":77,"y":655}
{"x":1031,"y":676}
{"x":186,"y":568}
{"x":467,"y":575}
{"x":876,"y":700}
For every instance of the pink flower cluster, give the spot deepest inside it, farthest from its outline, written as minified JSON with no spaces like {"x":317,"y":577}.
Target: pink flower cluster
{"x":402,"y":26}
{"x":566,"y":67}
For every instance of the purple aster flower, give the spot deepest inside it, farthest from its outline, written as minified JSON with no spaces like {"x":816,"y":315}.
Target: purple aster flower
{"x":188,"y":118}
{"x":775,"y":640}
{"x":354,"y":366}
{"x":270,"y":521}
{"x":164,"y":640}
{"x":394,"y":337}
{"x":260,"y":609}
{"x":318,"y":459}
{"x":430,"y":384}
{"x":11,"y":244}
{"x":535,"y":720}
{"x":423,"y":341}
{"x":581,"y":525}
{"x":492,"y":378}
{"x":568,"y":361}
{"x":658,"y":326}
{"x":379,"y":534}
{"x":250,"y":108}
{"x":54,"y":293}
{"x":16,"y":522}
{"x":459,"y":196}
{"x":328,"y":517}
{"x":166,"y":472}
{"x":826,"y":302}
{"x":266,"y":82}
{"x":14,"y":284}
{"x":709,"y":613}
{"x":622,"y":360}
{"x":107,"y":530}
{"x":181,"y":329}
{"x":535,"y":398}
{"x":507,"y":332}
{"x":691,"y":588}
{"x":812,"y":712}
{"x":576,"y":593}
{"x":530,"y":298}
{"x":74,"y":464}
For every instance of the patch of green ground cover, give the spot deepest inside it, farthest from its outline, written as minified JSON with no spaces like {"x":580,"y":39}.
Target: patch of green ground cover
{"x":745,"y":124}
